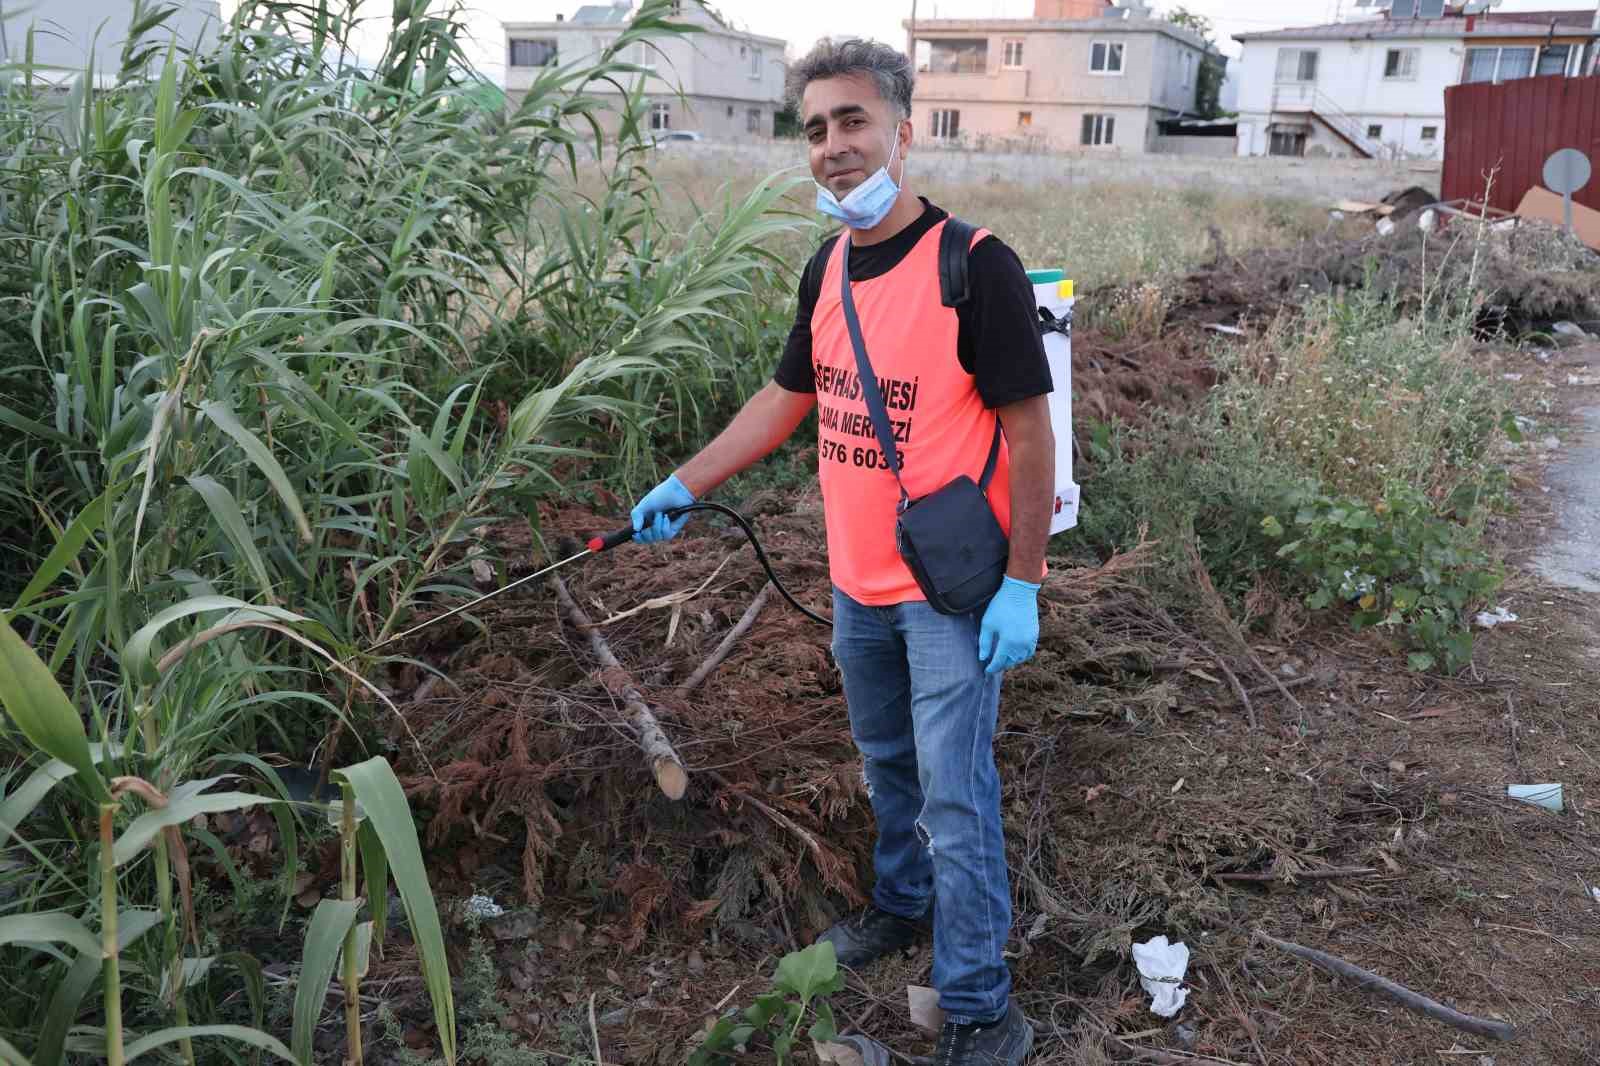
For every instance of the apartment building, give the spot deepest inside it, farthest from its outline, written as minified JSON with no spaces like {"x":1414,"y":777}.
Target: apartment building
{"x":1080,"y":74}
{"x":720,"y":82}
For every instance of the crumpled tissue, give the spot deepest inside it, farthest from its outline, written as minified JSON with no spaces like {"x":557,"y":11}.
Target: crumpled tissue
{"x":1161,"y":967}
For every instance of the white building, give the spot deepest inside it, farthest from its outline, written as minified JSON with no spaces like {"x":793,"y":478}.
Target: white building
{"x":719,"y":82}
{"x":1375,"y":87}
{"x":70,"y":34}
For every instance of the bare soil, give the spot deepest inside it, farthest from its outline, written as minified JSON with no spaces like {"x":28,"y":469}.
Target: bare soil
{"x":1343,"y":803}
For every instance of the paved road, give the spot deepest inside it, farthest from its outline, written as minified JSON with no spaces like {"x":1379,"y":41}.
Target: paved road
{"x":1570,"y":555}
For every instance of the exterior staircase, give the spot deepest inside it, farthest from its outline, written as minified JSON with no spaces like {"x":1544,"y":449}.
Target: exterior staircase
{"x":1306,"y":99}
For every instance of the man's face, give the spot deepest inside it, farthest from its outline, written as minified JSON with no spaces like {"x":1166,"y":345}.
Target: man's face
{"x":850,"y":129}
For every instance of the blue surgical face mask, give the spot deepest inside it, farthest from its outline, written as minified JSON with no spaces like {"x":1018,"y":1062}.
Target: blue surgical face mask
{"x":868,"y":204}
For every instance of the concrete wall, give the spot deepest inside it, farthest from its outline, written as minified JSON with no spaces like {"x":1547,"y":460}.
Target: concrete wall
{"x":1212,"y":147}
{"x":1055,"y":127}
{"x":65,"y":32}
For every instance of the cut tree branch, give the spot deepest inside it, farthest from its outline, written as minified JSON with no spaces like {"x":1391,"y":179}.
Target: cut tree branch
{"x":714,"y":660}
{"x":664,"y":761}
{"x":1366,"y":979}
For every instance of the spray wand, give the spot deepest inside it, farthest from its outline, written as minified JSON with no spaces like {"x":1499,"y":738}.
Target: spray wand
{"x":605,"y":542}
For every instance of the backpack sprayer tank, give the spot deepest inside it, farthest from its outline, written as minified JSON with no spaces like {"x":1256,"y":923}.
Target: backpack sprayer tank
{"x":1052,"y":293}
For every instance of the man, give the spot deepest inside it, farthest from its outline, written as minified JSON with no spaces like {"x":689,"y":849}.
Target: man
{"x":922,"y":687}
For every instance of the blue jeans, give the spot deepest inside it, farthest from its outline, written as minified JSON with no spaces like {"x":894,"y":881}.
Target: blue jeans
{"x":923,"y":712}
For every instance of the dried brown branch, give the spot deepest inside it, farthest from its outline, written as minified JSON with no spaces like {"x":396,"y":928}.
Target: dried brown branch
{"x":664,"y":762}
{"x":1233,"y":683}
{"x":1219,"y":611}
{"x":1366,"y":979}
{"x":1301,"y":875}
{"x":829,"y":865}
{"x":714,"y":660}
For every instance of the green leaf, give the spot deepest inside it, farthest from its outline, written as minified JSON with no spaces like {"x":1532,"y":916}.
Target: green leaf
{"x":42,"y":711}
{"x":136,"y":653}
{"x":72,"y":540}
{"x":225,"y":509}
{"x":50,"y":927}
{"x":811,"y":971}
{"x":258,"y":454}
{"x":21,"y":803}
{"x":238,"y":1033}
{"x":319,"y":957}
{"x":390,"y":816}
{"x":10,"y":1056}
{"x":80,"y":977}
{"x":144,"y":828}
{"x":764,"y":1009}
{"x":375,"y":871}
{"x":1420,"y":661}
{"x":824,"y":1028}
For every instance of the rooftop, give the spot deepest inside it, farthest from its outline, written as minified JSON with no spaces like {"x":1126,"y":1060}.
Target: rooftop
{"x":945,"y":27}
{"x":1517,"y":24}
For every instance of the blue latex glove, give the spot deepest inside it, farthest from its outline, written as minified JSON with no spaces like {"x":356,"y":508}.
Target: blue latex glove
{"x":1010,"y":630}
{"x":650,"y":521}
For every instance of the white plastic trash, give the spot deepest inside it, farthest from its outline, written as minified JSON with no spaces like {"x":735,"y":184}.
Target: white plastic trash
{"x":1053,"y":293}
{"x":1161,"y":968}
{"x":1547,"y":795}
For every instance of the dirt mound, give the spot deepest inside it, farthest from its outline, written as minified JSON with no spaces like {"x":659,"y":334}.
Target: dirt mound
{"x":530,"y":746}
{"x":1518,"y":277}
{"x":1126,"y":378}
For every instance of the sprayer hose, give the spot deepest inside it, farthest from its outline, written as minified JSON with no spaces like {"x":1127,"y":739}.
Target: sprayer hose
{"x":761,"y":555}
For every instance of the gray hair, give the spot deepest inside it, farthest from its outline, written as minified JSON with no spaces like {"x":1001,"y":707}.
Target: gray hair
{"x":888,"y":68}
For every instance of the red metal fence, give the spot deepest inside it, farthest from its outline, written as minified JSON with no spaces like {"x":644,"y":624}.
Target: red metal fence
{"x":1514,"y":127}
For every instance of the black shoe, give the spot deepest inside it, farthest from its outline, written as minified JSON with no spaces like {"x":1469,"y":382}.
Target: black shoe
{"x":1000,"y":1043}
{"x":870,"y":935}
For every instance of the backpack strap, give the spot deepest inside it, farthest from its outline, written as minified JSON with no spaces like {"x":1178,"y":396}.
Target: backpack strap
{"x":955,"y":241}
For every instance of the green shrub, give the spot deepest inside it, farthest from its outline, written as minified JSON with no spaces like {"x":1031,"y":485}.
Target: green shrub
{"x":1402,"y":565}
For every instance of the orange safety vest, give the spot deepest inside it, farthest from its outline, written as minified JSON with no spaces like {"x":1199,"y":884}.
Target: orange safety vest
{"x":941,"y":427}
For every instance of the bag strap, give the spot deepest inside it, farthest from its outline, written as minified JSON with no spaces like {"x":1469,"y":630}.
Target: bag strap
{"x":869,"y":381}
{"x":955,"y":241}
{"x":874,"y":395}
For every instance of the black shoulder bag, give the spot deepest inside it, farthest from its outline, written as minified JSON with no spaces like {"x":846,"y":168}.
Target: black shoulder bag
{"x":949,"y":538}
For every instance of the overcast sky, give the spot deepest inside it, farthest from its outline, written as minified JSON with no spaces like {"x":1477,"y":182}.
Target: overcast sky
{"x":801,"y":23}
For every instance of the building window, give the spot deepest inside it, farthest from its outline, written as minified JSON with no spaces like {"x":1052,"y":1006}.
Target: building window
{"x":1188,"y":69}
{"x":1430,"y":133}
{"x":1012,"y":60}
{"x":1375,"y":132}
{"x":1105,"y":57}
{"x":1554,"y":59}
{"x":1400,"y":64}
{"x":1498,"y":64}
{"x":946,"y":123}
{"x":730,"y":110}
{"x":752,"y":120}
{"x":958,"y":57}
{"x":660,"y":117}
{"x":1297,"y":64}
{"x":755,"y":62}
{"x":644,"y":56}
{"x":1024,"y":119}
{"x":532,"y":53}
{"x":1099,"y":129}
{"x":1288,"y":142}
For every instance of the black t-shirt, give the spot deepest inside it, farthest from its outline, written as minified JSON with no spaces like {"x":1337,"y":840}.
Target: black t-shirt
{"x":998,"y":340}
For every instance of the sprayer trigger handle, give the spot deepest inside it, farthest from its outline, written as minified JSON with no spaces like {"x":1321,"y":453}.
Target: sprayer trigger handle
{"x":611,"y":540}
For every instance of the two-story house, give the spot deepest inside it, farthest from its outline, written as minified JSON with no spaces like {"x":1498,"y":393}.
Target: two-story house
{"x":718,"y":82}
{"x":1375,"y":87}
{"x":69,"y":36}
{"x":1079,"y":74}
